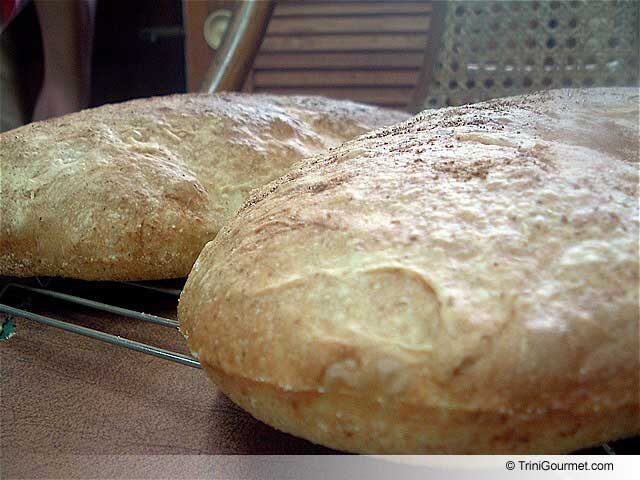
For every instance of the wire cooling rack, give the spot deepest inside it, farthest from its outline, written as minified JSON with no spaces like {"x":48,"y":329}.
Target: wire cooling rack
{"x":22,"y":291}
{"x":12,"y":312}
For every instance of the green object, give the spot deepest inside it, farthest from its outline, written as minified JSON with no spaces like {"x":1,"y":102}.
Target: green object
{"x":8,"y":329}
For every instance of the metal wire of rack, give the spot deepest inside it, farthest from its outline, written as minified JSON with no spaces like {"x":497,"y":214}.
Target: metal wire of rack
{"x":10,"y":313}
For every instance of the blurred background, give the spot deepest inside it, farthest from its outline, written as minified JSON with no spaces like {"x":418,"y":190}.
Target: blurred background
{"x":59,"y":56}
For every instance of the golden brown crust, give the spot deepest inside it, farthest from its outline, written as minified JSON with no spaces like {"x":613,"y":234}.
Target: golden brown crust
{"x":480,"y":259}
{"x":362,"y":424}
{"x":134,"y":190}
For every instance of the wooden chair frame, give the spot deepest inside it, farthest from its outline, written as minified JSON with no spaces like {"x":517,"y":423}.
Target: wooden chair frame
{"x":241,"y":42}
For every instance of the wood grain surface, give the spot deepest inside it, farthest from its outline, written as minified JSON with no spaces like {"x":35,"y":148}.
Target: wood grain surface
{"x":71,"y":406}
{"x":367,"y":51}
{"x":63,"y":394}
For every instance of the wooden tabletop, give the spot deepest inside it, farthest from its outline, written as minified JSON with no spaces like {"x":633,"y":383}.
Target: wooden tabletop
{"x":66,"y":394}
{"x":63,"y":394}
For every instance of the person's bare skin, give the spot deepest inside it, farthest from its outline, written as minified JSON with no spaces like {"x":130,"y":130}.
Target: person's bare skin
{"x":67,"y":39}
